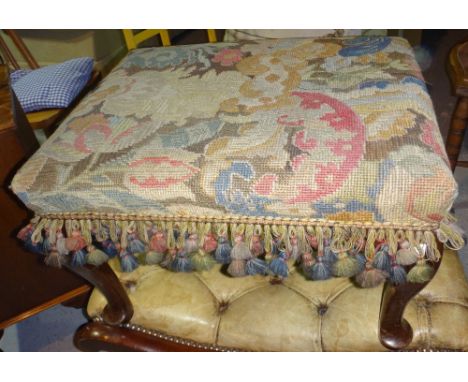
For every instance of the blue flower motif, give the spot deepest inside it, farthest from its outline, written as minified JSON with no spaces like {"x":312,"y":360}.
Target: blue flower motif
{"x":235,"y":200}
{"x":364,"y":45}
{"x":164,"y":58}
{"x":171,"y":57}
{"x":414,"y":80}
{"x":382,"y":84}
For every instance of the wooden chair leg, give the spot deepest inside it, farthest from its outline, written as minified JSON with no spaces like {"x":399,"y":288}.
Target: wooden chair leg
{"x":457,"y":131}
{"x":96,"y":336}
{"x":394,"y":331}
{"x":119,"y":309}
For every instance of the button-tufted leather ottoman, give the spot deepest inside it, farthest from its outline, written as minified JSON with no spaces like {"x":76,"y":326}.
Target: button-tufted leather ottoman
{"x":210,"y":311}
{"x":255,"y":195}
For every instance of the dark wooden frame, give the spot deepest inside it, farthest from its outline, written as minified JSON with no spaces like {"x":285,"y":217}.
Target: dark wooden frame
{"x":457,"y":67}
{"x":31,"y":287}
{"x":111,"y":333}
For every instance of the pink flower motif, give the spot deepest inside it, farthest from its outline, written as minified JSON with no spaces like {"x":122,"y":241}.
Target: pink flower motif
{"x":329,"y":176}
{"x":304,"y":144}
{"x":265,"y":184}
{"x":228,"y":57}
{"x":428,"y":138}
{"x":160,"y":172}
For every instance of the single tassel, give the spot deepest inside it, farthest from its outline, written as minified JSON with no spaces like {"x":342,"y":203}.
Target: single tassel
{"x":382,"y":259}
{"x":420,"y":273}
{"x":328,"y":255}
{"x":361,"y":259}
{"x":181,"y":262}
{"x":142,"y":230}
{"x":68,"y":227}
{"x":85,"y":228}
{"x":256,"y":245}
{"x":239,"y":255}
{"x":292,"y":244}
{"x":278,"y":265}
{"x":158,"y":242}
{"x":54,"y":259}
{"x":191,"y":243}
{"x":128,"y":263}
{"x":25,"y":232}
{"x":210,"y":243}
{"x":306,"y":265}
{"x":153,"y":257}
{"x":256,"y":266}
{"x":223,"y":251}
{"x":406,"y":255}
{"x":451,"y":235}
{"x":295,"y":254}
{"x":52,"y":231}
{"x":371,"y":277}
{"x":109,"y":247}
{"x":76,"y":241}
{"x":432,"y":252}
{"x":79,"y":258}
{"x":169,"y":258}
{"x":113,"y":231}
{"x":397,"y":274}
{"x":134,"y":244}
{"x":320,"y":270}
{"x":202,"y":261}
{"x":369,"y":249}
{"x":248,"y":233}
{"x":345,"y":266}
{"x":26,"y":236}
{"x":61,"y":244}
{"x":313,"y":241}
{"x":268,"y":243}
{"x":95,"y":256}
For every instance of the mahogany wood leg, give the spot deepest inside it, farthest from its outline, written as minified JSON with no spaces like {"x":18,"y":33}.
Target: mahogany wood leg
{"x":457,"y":131}
{"x":119,"y":309}
{"x":394,"y":331}
{"x":96,"y":336}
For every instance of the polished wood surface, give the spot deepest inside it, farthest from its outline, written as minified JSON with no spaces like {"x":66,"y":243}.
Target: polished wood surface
{"x":395,"y":332}
{"x":119,"y":309}
{"x":27,"y":286}
{"x":457,"y":67}
{"x":96,"y":336}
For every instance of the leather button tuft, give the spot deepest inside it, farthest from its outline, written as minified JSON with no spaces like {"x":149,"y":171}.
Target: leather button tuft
{"x":322,"y":309}
{"x":130,"y":285}
{"x":222,"y":307}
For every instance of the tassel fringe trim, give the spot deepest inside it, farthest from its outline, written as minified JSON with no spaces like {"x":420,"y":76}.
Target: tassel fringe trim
{"x":248,"y":246}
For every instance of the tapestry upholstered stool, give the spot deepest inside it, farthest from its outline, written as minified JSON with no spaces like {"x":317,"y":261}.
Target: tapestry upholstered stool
{"x":289,"y":194}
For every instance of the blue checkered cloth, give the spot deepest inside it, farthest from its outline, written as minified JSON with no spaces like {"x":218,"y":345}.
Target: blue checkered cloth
{"x":50,"y":87}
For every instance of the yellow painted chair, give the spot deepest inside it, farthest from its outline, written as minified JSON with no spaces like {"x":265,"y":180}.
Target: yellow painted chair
{"x":132,"y":40}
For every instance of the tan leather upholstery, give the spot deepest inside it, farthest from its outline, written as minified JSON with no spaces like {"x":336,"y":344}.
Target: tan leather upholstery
{"x":298,"y":315}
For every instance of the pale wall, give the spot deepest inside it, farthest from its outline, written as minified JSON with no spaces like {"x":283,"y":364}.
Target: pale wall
{"x":57,"y":45}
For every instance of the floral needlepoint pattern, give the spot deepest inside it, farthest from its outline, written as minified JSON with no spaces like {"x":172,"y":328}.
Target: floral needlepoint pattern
{"x":338,"y":128}
{"x":228,"y":57}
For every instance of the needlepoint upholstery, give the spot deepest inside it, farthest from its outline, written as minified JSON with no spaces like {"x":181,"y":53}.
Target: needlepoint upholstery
{"x":325,"y":151}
